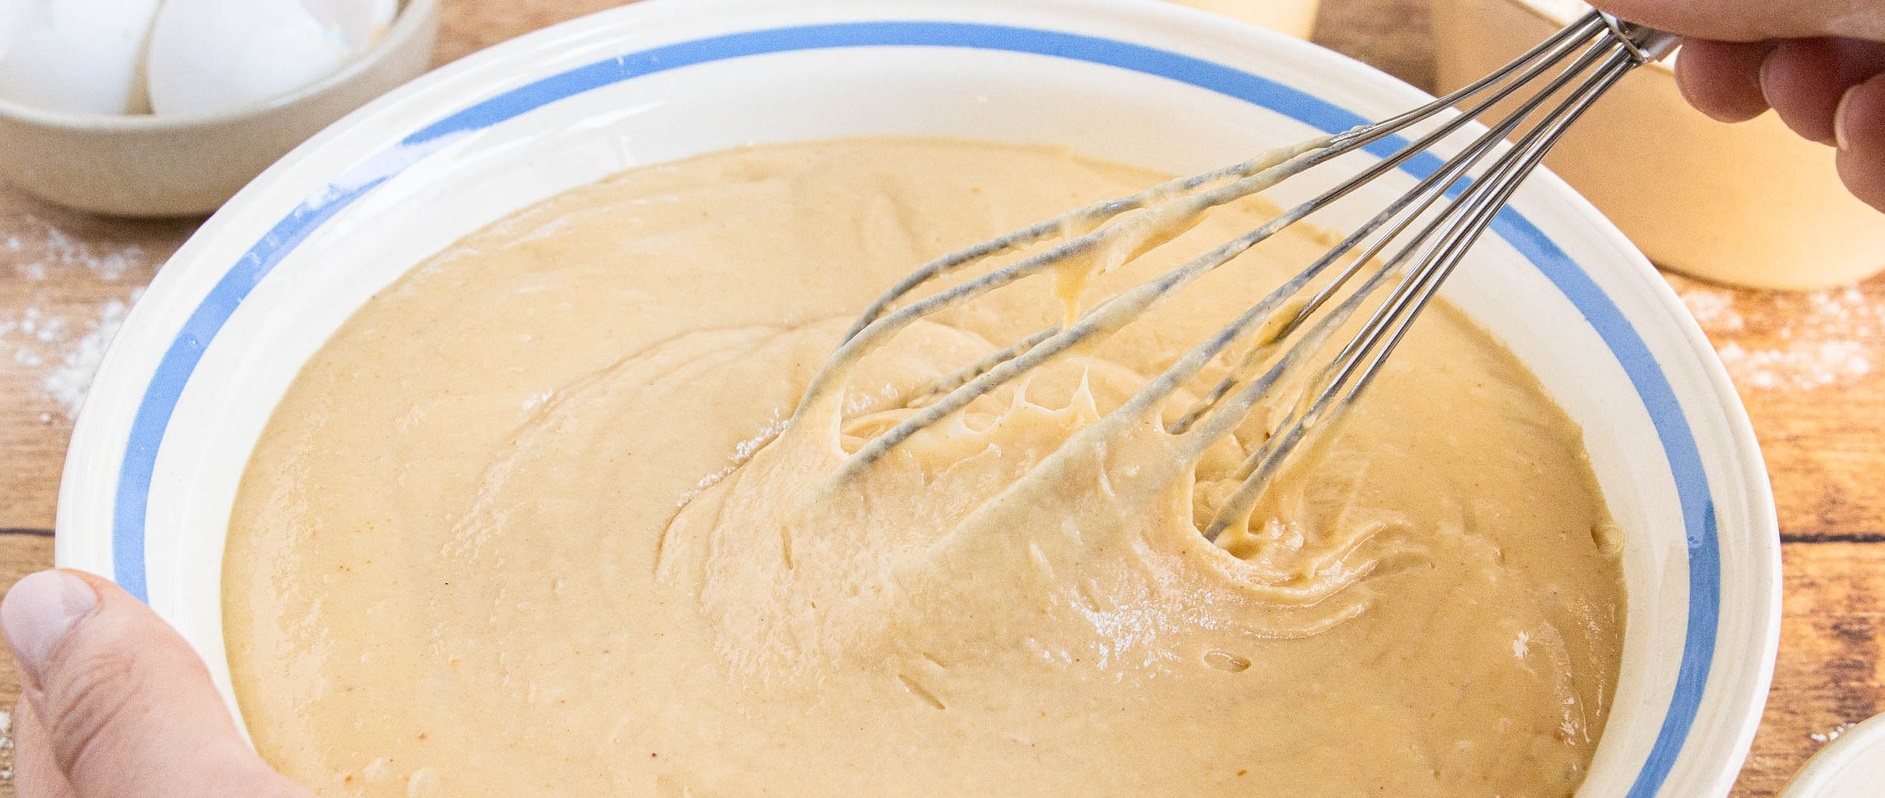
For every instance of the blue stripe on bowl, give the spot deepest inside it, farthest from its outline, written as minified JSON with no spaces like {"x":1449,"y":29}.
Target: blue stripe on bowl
{"x":1658,"y":397}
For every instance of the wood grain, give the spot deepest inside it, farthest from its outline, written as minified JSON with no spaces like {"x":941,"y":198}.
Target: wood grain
{"x":1831,"y":670}
{"x":1825,"y":444}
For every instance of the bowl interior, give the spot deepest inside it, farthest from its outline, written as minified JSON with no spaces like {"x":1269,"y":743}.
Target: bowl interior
{"x":184,"y":393}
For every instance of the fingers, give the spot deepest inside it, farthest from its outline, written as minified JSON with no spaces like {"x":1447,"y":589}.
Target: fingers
{"x":1859,"y":128}
{"x":1755,"y":20}
{"x":127,"y":708}
{"x":1806,"y":80}
{"x":35,"y":773}
{"x":1723,"y":79}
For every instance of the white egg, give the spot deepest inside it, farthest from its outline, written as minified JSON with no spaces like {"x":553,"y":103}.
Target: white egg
{"x":215,"y":55}
{"x":362,"y":22}
{"x":83,"y":56}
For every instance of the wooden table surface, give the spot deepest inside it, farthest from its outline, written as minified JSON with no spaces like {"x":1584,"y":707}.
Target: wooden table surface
{"x":1811,"y":369}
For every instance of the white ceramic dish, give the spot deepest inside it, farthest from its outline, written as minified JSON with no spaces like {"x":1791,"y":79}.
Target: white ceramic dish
{"x":1853,"y":766}
{"x":204,"y":358}
{"x":188,"y":164}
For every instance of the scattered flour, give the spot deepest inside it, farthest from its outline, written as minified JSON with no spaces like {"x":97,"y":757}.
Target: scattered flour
{"x":62,"y":355}
{"x":39,"y":246}
{"x":1802,"y":367}
{"x":1828,"y":736}
{"x":56,"y":344}
{"x":69,"y":381}
{"x":6,"y":746}
{"x":1829,"y":340}
{"x":1714,"y":309}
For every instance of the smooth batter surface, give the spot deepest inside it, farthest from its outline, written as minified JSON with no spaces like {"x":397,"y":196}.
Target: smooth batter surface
{"x":494,"y":541}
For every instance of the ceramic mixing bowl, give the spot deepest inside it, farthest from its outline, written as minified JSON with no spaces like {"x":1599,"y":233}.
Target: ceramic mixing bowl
{"x":203,"y":359}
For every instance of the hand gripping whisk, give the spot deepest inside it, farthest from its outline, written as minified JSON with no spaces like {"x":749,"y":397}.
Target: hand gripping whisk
{"x":1394,"y":263}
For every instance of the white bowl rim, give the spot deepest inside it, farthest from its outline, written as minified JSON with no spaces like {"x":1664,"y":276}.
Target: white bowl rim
{"x":124,"y":560}
{"x":413,"y":16}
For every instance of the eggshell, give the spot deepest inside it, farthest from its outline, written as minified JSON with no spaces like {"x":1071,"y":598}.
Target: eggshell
{"x":361,"y":22}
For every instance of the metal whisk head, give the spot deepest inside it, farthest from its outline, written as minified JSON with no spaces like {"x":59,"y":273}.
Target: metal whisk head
{"x":1393,"y":263}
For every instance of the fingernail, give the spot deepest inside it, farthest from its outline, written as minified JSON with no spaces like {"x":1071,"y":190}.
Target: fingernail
{"x":40,"y":611}
{"x":1760,"y":76}
{"x":1842,"y":138}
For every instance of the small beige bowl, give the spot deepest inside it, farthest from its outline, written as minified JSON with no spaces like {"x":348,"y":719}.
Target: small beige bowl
{"x":1294,"y":17}
{"x":188,"y":165}
{"x":1852,"y":767}
{"x":1749,"y":204}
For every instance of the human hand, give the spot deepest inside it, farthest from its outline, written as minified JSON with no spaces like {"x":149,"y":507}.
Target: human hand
{"x":1819,"y":63}
{"x":115,"y":704}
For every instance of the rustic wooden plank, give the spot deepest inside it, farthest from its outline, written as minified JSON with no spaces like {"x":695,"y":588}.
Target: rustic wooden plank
{"x":1831,"y":670}
{"x":467,"y":26}
{"x":1392,"y":35}
{"x":1811,"y":370}
{"x":62,"y":275}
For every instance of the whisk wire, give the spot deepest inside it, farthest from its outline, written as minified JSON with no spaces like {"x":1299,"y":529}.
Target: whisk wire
{"x":1425,"y":194}
{"x":1363,"y":358}
{"x":1318,"y":151}
{"x":1413,"y":245}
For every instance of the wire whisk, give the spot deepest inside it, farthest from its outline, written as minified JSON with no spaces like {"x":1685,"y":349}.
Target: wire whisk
{"x":1394,"y":262}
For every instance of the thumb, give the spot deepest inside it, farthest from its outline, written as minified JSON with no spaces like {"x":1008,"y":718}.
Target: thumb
{"x":127,"y":707}
{"x":1755,"y":20}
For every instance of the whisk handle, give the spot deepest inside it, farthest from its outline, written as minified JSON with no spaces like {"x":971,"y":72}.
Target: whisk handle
{"x":1647,"y":43}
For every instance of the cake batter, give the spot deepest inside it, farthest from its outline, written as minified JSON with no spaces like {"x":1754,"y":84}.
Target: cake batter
{"x":532,"y":522}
